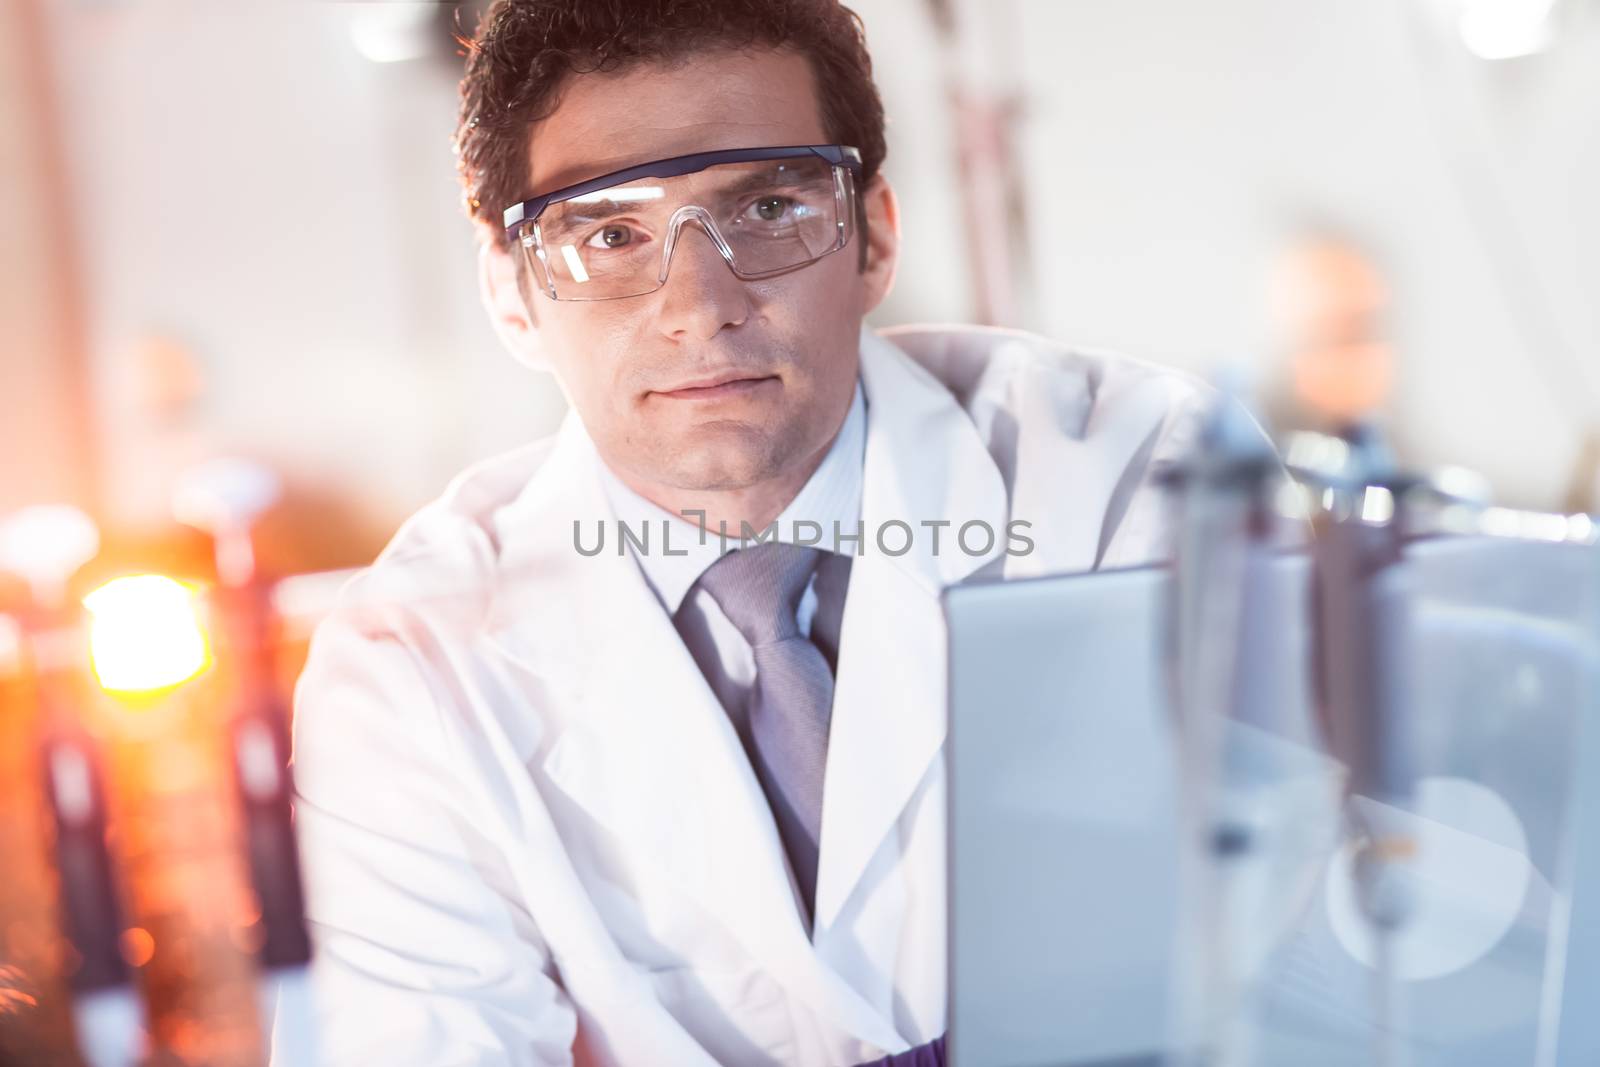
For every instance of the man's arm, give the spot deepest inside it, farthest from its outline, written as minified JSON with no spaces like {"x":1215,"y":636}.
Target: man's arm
{"x":424,"y":954}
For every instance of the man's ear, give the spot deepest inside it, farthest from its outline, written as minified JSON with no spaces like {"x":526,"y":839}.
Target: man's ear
{"x":883,"y":241}
{"x":509,"y":313}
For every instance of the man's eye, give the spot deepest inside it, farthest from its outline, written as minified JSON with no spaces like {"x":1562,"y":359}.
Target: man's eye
{"x":617,"y":236}
{"x":773,"y":208}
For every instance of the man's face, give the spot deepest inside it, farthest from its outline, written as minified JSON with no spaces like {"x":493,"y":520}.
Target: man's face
{"x":785,"y":346}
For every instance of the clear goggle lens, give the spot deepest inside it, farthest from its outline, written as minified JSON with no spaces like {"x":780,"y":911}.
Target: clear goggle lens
{"x":765,"y":218}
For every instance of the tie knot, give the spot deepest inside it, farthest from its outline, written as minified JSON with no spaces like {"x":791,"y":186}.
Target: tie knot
{"x":759,"y":588}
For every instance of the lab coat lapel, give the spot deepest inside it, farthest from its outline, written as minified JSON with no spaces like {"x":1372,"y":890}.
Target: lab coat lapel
{"x":646,"y":748}
{"x":924,"y":462}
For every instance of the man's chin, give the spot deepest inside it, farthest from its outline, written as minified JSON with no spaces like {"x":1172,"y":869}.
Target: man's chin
{"x":716,"y":468}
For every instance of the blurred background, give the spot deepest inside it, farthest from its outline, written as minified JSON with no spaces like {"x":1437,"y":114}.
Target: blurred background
{"x":234,"y":228}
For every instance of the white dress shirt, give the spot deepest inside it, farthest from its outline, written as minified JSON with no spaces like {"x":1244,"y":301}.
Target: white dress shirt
{"x":831,"y":495}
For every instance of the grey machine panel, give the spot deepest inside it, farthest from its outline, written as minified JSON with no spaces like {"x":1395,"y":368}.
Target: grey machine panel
{"x":1061,"y":767}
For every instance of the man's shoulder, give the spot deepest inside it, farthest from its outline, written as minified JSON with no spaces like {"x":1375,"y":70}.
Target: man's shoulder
{"x":1032,"y":379}
{"x":471,"y":500}
{"x":442,"y":560}
{"x":1079,"y":436}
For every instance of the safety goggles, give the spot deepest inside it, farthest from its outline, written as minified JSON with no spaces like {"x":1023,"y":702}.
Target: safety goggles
{"x":767,"y":211}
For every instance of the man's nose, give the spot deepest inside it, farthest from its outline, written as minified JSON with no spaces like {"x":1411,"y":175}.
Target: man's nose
{"x":702,"y":294}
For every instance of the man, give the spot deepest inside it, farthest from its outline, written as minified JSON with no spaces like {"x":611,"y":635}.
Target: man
{"x":581,"y":779}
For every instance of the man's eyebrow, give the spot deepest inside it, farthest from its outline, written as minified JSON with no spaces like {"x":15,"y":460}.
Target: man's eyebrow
{"x":769,"y":178}
{"x":604,"y":204}
{"x":593,"y":210}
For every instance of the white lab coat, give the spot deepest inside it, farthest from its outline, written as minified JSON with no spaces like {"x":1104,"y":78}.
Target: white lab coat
{"x":530,"y":833}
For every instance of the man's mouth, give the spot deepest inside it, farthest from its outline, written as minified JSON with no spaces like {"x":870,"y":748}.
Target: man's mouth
{"x":717,"y":387}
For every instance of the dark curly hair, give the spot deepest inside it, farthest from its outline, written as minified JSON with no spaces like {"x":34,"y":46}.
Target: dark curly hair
{"x":525,"y":49}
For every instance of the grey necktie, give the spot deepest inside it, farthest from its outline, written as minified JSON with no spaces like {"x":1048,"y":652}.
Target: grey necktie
{"x":759,"y":590}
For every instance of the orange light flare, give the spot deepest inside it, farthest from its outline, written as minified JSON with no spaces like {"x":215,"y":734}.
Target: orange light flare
{"x":145,"y":635}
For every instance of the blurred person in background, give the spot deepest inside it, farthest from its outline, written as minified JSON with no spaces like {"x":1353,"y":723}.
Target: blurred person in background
{"x":680,"y":798}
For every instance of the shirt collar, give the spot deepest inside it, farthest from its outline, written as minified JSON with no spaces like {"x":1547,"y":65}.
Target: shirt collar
{"x":831,"y":495}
